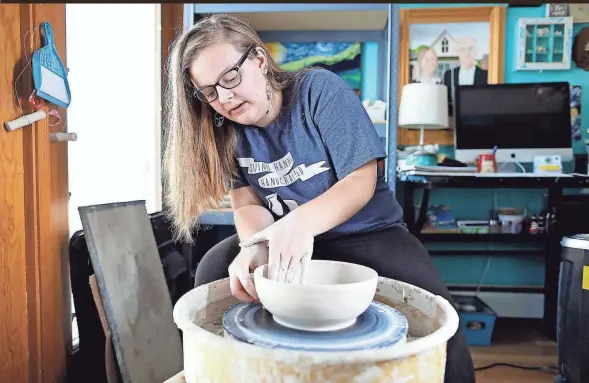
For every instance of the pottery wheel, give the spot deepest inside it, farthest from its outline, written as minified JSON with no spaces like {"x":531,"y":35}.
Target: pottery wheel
{"x":379,"y":326}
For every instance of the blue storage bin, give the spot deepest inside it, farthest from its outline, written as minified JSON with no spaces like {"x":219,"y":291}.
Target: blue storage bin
{"x":477,"y":325}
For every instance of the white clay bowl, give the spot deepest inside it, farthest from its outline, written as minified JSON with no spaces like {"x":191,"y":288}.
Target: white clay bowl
{"x":332,"y":296}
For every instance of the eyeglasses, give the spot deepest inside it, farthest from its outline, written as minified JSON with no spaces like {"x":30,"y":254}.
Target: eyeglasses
{"x":228,"y":80}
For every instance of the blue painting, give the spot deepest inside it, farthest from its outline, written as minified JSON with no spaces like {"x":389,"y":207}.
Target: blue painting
{"x":342,"y":58}
{"x":576,"y":112}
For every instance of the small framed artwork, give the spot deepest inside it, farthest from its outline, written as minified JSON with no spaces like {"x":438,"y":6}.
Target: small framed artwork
{"x":579,"y":12}
{"x":557,"y":10}
{"x":451,"y":46}
{"x":544,"y":43}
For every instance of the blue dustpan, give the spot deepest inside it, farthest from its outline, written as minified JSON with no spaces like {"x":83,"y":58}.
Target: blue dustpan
{"x":49,"y":74}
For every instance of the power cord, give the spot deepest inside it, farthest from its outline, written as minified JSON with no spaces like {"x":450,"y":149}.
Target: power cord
{"x":535,"y":368}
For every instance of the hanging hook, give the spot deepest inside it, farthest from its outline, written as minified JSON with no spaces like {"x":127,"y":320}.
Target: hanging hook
{"x":27,"y":119}
{"x":62,"y":137}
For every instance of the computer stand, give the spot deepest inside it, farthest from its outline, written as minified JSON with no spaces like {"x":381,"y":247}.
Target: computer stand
{"x":510,"y":167}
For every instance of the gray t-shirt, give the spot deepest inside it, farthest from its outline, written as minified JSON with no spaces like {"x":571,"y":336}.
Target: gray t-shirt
{"x":324,"y":135}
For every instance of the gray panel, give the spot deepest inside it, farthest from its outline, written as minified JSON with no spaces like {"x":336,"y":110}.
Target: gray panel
{"x":135,"y":296}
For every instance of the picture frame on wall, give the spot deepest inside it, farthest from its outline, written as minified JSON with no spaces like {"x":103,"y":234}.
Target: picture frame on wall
{"x":579,"y":12}
{"x":557,"y":10}
{"x":341,"y":58}
{"x":544,"y":43}
{"x":450,"y":46}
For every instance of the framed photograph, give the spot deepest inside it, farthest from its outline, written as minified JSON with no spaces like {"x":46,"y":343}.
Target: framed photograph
{"x":579,"y":12}
{"x":450,"y":46}
{"x":557,"y":10}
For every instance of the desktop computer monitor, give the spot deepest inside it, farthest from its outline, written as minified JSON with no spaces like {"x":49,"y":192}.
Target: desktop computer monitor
{"x":521,"y":120}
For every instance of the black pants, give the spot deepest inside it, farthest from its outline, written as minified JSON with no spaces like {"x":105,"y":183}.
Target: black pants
{"x":393,"y":253}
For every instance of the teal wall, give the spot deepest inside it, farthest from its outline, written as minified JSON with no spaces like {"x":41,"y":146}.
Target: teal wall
{"x":575,"y":76}
{"x":370,"y":71}
{"x":477,"y":204}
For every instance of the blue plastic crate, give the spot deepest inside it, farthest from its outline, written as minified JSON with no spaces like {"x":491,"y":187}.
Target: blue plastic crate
{"x":477,"y":325}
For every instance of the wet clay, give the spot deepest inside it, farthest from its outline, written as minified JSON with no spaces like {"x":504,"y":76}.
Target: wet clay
{"x":211,"y":318}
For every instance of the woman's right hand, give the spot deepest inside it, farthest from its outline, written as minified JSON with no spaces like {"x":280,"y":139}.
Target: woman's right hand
{"x":241,"y":280}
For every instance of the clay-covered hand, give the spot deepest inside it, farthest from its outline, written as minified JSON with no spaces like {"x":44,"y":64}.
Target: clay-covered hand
{"x":240,"y":278}
{"x":290,"y":247}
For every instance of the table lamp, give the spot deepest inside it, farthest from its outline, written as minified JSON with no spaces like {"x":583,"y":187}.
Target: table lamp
{"x":424,"y":106}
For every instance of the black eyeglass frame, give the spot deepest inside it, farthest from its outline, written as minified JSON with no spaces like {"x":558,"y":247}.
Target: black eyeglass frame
{"x":198,"y":92}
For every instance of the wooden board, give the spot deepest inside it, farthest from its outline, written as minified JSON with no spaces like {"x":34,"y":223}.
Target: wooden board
{"x":109,"y":355}
{"x":133,"y":289}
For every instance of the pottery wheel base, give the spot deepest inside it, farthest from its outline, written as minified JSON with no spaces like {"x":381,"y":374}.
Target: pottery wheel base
{"x":334,"y":327}
{"x":379,"y":326}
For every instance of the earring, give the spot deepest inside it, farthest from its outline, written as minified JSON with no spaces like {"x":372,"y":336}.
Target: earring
{"x":268,"y":91}
{"x":219,"y":120}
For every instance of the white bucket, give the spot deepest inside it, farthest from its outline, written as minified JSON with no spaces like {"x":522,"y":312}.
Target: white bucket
{"x":211,"y":358}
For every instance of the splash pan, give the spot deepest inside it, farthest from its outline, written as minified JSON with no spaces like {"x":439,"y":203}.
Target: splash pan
{"x":379,"y":326}
{"x":211,"y":357}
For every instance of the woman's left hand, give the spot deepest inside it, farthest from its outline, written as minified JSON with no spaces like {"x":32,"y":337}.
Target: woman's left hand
{"x":290,"y":248}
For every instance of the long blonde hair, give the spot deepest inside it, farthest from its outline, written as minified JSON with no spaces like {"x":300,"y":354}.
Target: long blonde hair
{"x":199,"y":159}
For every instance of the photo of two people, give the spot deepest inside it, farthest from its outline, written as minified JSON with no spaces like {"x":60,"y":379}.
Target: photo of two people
{"x":449,"y":54}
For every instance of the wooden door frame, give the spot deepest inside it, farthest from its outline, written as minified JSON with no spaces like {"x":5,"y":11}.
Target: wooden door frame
{"x":35,"y":187}
{"x":35,"y":321}
{"x":172,"y":25}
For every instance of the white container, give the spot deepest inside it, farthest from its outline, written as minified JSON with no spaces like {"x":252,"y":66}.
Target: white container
{"x":376,"y":110}
{"x":516,"y":222}
{"x":211,"y":358}
{"x":333,"y":295}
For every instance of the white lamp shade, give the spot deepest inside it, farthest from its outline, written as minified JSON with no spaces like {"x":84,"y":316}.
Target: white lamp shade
{"x":424,"y":106}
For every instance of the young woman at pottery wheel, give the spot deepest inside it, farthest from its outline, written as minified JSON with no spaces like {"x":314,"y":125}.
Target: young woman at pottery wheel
{"x":297,"y":153}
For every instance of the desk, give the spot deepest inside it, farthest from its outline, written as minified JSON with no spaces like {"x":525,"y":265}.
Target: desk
{"x":555,"y":186}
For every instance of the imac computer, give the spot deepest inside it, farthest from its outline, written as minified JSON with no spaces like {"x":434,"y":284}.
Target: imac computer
{"x":521,"y":120}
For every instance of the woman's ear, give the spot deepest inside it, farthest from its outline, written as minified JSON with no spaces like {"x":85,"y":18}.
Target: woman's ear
{"x":261,"y":58}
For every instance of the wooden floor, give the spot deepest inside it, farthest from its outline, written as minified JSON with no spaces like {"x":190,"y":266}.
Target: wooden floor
{"x":516,"y":342}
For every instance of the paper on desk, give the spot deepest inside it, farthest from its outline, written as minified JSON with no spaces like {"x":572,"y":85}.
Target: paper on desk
{"x":437,"y":169}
